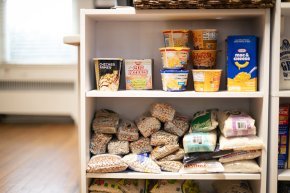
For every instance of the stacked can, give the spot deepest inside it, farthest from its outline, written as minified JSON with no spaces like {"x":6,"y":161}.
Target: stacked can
{"x":205,"y":75}
{"x":175,"y":56}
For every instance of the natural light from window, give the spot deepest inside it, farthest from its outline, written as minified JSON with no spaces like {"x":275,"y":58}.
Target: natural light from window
{"x":34,"y":31}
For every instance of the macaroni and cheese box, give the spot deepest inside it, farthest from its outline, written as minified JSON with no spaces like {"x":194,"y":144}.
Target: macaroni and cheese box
{"x":242,"y":63}
{"x":138,"y":74}
{"x":283,"y":136}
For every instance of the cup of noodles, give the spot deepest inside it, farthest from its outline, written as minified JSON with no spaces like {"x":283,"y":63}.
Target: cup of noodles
{"x":204,"y":39}
{"x":108,"y":73}
{"x":204,"y":59}
{"x":176,"y":38}
{"x":174,"y":80}
{"x":174,"y":57}
{"x":206,"y":80}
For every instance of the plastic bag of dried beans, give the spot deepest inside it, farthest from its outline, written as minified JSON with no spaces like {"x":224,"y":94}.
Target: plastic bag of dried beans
{"x":141,"y":146}
{"x":162,"y":111}
{"x":162,"y":151}
{"x":127,"y":131}
{"x":148,"y":125}
{"x":163,"y":138}
{"x":98,"y":144}
{"x":178,"y":126}
{"x":175,"y":156}
{"x":118,"y":147}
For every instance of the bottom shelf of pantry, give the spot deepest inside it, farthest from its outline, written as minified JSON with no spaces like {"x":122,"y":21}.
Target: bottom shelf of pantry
{"x":284,"y":175}
{"x":171,"y":175}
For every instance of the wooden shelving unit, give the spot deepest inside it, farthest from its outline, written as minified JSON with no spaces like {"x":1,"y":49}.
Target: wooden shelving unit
{"x":128,"y":33}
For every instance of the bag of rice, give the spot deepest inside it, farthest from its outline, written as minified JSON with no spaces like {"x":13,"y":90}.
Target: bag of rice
{"x":170,"y":166}
{"x":163,"y":138}
{"x":204,"y":121}
{"x":141,"y":163}
{"x":99,"y":143}
{"x":148,"y":125}
{"x":106,"y":121}
{"x":200,"y":142}
{"x":236,"y":123}
{"x":242,"y":166}
{"x":240,"y":155}
{"x":106,"y":163}
{"x":141,"y":146}
{"x":118,"y":147}
{"x":127,"y":131}
{"x":132,"y":186}
{"x":202,"y":167}
{"x":241,"y":143}
{"x":105,"y":185}
{"x":176,"y":156}
{"x":162,"y":151}
{"x":162,"y":111}
{"x":202,"y":156}
{"x":178,"y":126}
{"x":173,"y":186}
{"x":231,"y":186}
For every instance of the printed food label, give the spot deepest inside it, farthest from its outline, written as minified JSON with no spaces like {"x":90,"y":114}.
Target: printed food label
{"x":285,"y":65}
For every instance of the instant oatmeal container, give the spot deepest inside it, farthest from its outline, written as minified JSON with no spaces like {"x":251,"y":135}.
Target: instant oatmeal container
{"x":206,"y":80}
{"x":204,"y":59}
{"x":174,"y":57}
{"x":174,"y":80}
{"x":242,"y":63}
{"x":204,"y":39}
{"x":176,"y":38}
{"x":108,"y":73}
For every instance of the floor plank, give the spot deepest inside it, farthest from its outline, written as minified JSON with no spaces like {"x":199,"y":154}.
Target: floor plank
{"x":39,"y":158}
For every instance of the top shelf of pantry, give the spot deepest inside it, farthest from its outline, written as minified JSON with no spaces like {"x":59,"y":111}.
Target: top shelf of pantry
{"x":131,"y":14}
{"x":285,"y":8}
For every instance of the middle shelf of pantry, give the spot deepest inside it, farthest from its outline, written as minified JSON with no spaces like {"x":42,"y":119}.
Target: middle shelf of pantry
{"x":162,"y":94}
{"x":171,"y":175}
{"x":284,"y":175}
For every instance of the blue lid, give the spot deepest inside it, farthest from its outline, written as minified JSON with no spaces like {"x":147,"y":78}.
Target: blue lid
{"x":173,"y":71}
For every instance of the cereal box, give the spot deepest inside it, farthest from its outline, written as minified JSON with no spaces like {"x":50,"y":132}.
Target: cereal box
{"x":138,"y":74}
{"x":242,"y":63}
{"x":283,"y":136}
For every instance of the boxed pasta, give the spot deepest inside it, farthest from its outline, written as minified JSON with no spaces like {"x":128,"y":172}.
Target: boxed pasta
{"x":138,"y":74}
{"x":242,"y":63}
{"x":108,"y":73}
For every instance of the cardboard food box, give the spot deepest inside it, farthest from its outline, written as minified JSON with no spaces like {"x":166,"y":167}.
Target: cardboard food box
{"x":138,"y":74}
{"x":242,"y":69}
{"x":283,"y":141}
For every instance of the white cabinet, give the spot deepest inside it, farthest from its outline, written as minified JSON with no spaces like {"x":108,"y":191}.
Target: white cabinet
{"x":280,"y":28}
{"x":128,"y":33}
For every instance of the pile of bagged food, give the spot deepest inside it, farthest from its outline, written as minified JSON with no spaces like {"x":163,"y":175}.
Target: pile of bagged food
{"x":165,"y":186}
{"x":165,"y":140}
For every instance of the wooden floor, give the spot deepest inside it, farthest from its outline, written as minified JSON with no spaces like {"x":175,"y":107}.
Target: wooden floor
{"x":39,"y":158}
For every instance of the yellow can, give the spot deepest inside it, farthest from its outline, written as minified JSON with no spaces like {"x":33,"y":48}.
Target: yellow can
{"x":206,"y":80}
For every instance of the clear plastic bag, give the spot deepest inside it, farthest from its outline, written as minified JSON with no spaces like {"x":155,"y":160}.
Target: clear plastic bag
{"x":200,"y":142}
{"x":141,"y":146}
{"x":170,"y":166}
{"x":242,"y":166}
{"x":162,"y":151}
{"x":127,"y":131}
{"x":178,"y":126}
{"x":240,"y":155}
{"x":202,"y":167}
{"x":141,"y":163}
{"x":162,"y":111}
{"x":236,"y":123}
{"x":106,"y":163}
{"x":99,"y":143}
{"x":106,"y":121}
{"x":148,"y":125}
{"x":204,"y":121}
{"x":163,"y":138}
{"x":175,"y":156}
{"x":241,"y":143}
{"x":118,"y":147}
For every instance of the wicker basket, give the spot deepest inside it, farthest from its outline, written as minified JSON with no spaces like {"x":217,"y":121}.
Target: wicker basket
{"x":203,"y":4}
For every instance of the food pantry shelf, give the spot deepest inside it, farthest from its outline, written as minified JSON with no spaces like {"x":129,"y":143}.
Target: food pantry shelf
{"x":162,"y":94}
{"x":171,"y":175}
{"x":285,"y":9}
{"x":284,"y":175}
{"x":283,"y":93}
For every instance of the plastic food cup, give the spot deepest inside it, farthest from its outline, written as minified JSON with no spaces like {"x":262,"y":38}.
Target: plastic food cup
{"x":174,"y":80}
{"x":205,"y":39}
{"x":176,"y":38}
{"x":204,"y":59}
{"x":174,"y":57}
{"x":206,"y":80}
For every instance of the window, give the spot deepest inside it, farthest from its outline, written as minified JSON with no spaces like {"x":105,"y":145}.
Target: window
{"x":34,"y":30}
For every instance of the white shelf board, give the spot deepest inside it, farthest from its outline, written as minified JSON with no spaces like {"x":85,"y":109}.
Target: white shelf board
{"x":171,"y":175}
{"x":285,"y":8}
{"x":163,"y":94}
{"x":283,"y":93}
{"x":284,"y":175}
{"x":72,"y":40}
{"x":130,"y":14}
